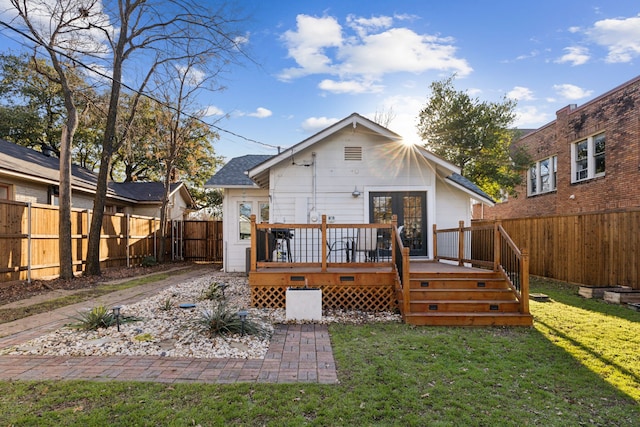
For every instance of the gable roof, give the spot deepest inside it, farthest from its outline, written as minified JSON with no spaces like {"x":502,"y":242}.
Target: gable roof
{"x":26,"y":163}
{"x":260,"y":172}
{"x":469,"y":187}
{"x":234,"y":173}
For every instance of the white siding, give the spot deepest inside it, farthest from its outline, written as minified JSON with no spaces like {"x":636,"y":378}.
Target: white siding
{"x":234,"y":247}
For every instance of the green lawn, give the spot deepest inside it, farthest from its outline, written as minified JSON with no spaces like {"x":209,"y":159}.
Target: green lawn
{"x":579,"y":365}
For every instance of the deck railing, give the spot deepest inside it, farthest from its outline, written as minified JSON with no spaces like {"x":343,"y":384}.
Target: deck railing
{"x":321,"y":245}
{"x":487,"y":246}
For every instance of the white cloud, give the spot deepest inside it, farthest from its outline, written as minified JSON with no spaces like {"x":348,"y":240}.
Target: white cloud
{"x":571,"y":92}
{"x":521,"y":94}
{"x":261,"y":113}
{"x":212,"y":110}
{"x":308,"y":44}
{"x":320,"y":46}
{"x":576,"y":55}
{"x":315,"y":124}
{"x":620,"y":36}
{"x":531,"y":117}
{"x":349,"y":86}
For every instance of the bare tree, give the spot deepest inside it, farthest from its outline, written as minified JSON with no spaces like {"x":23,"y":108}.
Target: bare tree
{"x":384,"y":117}
{"x":57,"y":29}
{"x":182,"y":140}
{"x":167,"y":32}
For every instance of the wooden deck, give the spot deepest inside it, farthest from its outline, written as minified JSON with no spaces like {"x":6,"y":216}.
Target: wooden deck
{"x":439,"y":293}
{"x":425,"y":292}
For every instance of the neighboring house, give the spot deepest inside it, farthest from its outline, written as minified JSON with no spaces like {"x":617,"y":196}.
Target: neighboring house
{"x":587,"y":160}
{"x":354,"y":172}
{"x":27,"y":175}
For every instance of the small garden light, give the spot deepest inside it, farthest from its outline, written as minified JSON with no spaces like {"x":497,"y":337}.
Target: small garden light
{"x":243,"y":317}
{"x":116,"y":314}
{"x":223,"y":286}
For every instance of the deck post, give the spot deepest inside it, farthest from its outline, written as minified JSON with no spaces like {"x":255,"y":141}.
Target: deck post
{"x":524,"y":282}
{"x":496,"y":245}
{"x":435,"y":242}
{"x":461,"y":243}
{"x":394,"y":227}
{"x":406,"y":283}
{"x":323,"y":242}
{"x":254,"y":243}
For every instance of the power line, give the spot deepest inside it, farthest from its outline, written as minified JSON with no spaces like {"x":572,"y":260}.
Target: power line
{"x":145,"y":94}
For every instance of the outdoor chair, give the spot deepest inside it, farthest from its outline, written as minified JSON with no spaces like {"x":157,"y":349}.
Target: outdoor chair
{"x":367,"y":243}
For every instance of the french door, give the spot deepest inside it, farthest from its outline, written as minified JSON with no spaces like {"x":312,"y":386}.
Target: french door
{"x":411,"y":209}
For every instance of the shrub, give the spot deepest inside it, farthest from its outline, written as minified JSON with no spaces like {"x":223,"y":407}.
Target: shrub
{"x":149,"y":261}
{"x":223,"y":320}
{"x":98,"y":317}
{"x":213,"y":292}
{"x":166,"y":304}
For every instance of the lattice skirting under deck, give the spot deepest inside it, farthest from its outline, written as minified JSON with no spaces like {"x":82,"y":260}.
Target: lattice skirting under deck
{"x":334,"y":297}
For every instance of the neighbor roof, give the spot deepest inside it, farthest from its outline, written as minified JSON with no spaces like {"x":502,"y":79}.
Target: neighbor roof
{"x":234,"y":173}
{"x":26,"y":163}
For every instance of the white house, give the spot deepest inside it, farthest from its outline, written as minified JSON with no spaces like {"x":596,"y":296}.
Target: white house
{"x":355,"y":171}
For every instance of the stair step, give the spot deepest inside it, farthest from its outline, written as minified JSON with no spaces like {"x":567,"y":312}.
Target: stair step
{"x":467,"y":319}
{"x":462,"y":294}
{"x":430,"y":283}
{"x":498,"y":306}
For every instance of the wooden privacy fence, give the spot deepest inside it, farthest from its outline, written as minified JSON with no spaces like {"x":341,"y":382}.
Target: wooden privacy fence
{"x":597,"y":249}
{"x":29,"y":240}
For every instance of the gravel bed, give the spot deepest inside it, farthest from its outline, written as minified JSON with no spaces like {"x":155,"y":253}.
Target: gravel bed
{"x":171,"y":332}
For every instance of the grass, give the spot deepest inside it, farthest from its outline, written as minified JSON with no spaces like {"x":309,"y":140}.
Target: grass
{"x":11,"y":314}
{"x":579,"y":365}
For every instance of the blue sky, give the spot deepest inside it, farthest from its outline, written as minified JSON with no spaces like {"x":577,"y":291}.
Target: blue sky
{"x":318,"y":62}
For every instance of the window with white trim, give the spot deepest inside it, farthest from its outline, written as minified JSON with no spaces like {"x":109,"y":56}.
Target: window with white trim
{"x":542,"y":176}
{"x":5,"y":192}
{"x":244,"y":224}
{"x":588,"y":158}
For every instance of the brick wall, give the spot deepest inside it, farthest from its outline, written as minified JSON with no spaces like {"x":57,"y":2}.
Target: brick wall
{"x":617,"y":114}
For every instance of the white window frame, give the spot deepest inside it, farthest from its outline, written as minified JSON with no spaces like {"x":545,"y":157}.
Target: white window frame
{"x":244,"y":225}
{"x":591,"y":158}
{"x":535,"y":176}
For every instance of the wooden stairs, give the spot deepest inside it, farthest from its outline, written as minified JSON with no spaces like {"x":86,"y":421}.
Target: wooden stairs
{"x":463,"y":298}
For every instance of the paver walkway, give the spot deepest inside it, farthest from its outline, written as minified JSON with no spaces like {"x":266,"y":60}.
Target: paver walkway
{"x":297,"y":353}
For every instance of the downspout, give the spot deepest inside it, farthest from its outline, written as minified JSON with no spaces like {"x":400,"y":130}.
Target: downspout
{"x":314,"y":182}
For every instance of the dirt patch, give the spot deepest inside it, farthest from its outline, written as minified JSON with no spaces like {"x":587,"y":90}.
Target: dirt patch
{"x":16,"y":291}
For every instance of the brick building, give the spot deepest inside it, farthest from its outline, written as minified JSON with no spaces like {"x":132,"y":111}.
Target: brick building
{"x":587,"y":160}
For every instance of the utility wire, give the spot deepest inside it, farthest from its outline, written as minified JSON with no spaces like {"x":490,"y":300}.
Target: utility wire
{"x":145,"y":94}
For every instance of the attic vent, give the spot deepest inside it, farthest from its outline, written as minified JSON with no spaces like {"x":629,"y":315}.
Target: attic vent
{"x":353,"y":153}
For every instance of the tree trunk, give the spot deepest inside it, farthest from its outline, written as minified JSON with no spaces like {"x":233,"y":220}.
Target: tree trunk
{"x":163,"y":216}
{"x":64,"y":224}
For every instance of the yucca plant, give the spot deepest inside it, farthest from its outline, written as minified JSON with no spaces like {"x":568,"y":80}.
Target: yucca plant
{"x":98,"y":317}
{"x":223,"y":320}
{"x":213,"y":292}
{"x":166,"y":304}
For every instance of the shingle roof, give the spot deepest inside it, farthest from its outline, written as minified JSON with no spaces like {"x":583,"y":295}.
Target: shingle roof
{"x":31,"y":163}
{"x":461,"y":180}
{"x":233,"y":173}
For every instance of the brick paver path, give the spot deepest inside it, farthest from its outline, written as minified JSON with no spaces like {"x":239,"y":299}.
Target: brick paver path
{"x":297,"y":353}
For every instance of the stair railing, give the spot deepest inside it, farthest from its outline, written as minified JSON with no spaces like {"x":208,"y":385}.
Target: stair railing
{"x":487,"y":246}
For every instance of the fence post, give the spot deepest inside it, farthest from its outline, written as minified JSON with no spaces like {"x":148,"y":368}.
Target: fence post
{"x":128,"y":235}
{"x":461,"y":243}
{"x":323,"y":242}
{"x":28,"y":243}
{"x":524,"y":282}
{"x":496,"y":245}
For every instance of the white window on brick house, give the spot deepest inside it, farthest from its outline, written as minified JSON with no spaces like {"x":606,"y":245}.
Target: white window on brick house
{"x":542,"y":176}
{"x":588,"y":158}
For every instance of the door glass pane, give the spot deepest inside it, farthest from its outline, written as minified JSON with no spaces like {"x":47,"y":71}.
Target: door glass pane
{"x":382,"y":209}
{"x":412,"y":213}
